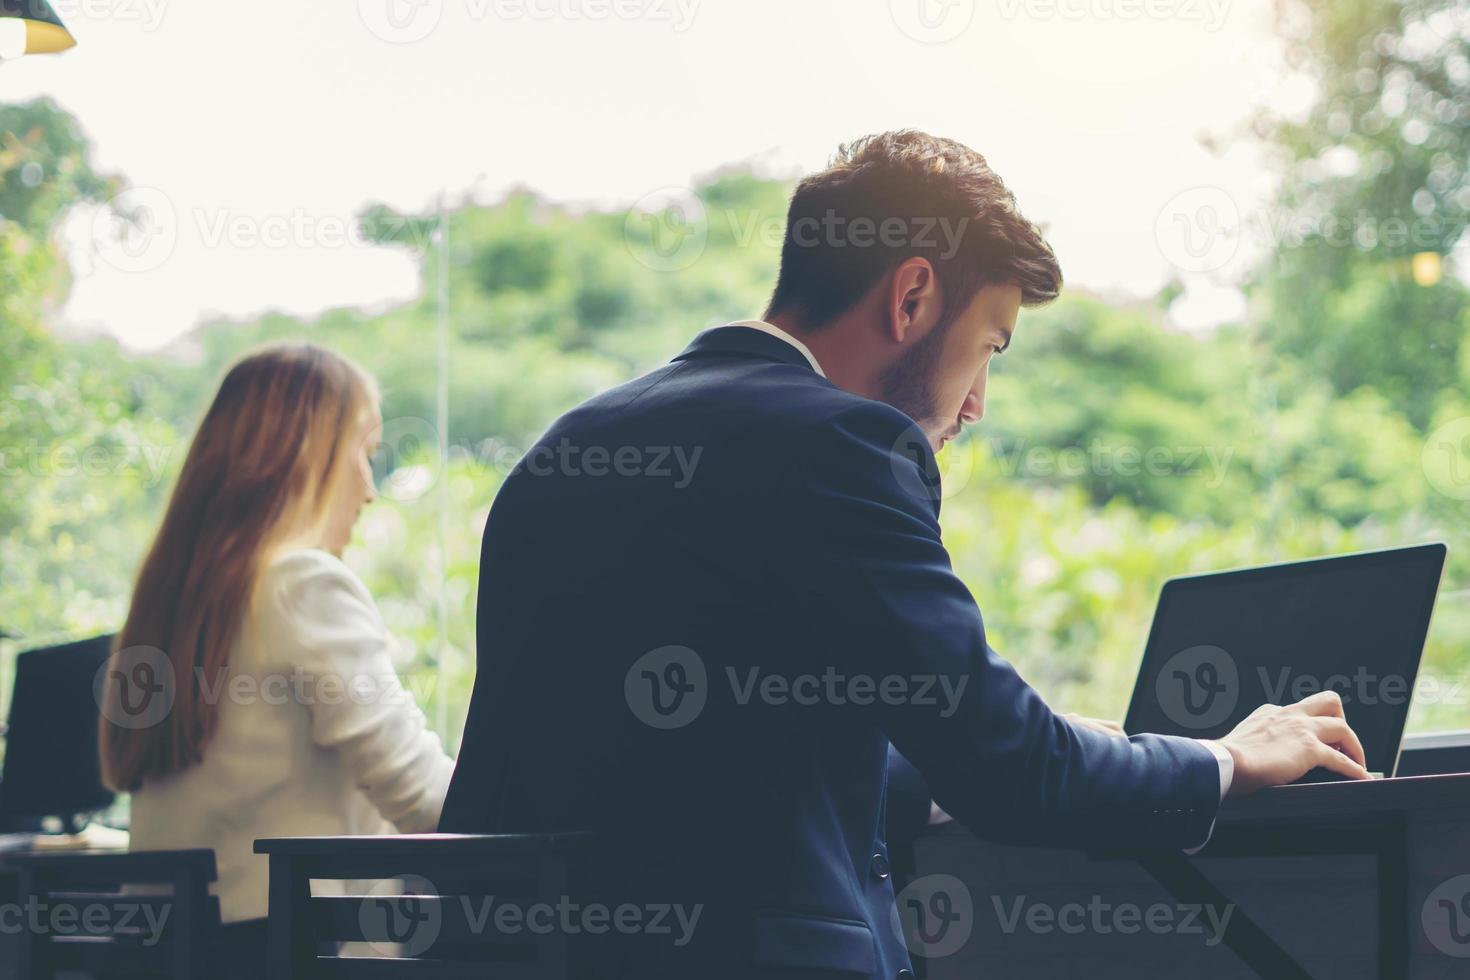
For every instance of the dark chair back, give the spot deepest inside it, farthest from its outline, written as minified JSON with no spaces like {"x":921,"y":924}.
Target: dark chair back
{"x":113,"y":914}
{"x":443,"y":906}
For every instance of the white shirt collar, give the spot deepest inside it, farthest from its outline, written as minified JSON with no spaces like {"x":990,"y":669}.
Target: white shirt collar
{"x":774,"y":331}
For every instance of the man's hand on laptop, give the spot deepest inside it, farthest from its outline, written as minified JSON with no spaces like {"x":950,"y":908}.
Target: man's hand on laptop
{"x":1279,"y":744}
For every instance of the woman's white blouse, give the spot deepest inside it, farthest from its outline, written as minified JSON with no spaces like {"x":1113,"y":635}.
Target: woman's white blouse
{"x":316,"y":736}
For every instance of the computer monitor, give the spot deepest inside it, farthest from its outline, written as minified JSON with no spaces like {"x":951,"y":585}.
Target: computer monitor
{"x":1223,"y":644}
{"x":52,"y":767}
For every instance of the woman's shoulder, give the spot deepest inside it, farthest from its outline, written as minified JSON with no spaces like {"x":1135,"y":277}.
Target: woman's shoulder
{"x":296,"y":574}
{"x":304,"y":561}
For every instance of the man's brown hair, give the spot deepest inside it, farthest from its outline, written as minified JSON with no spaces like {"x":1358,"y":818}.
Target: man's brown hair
{"x":893,"y":196}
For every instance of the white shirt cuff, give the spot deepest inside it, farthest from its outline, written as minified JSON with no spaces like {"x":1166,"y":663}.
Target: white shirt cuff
{"x":1227,"y":775}
{"x":1227,"y":766}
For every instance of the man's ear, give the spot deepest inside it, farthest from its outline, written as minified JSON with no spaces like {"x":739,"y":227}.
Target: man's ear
{"x":913,"y":300}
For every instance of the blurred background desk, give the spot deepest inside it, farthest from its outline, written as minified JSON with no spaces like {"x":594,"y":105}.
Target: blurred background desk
{"x":51,"y":788}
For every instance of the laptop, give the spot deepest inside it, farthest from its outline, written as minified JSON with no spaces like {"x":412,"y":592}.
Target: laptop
{"x":1225,"y":643}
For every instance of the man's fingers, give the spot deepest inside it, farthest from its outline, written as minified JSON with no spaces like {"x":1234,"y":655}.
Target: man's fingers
{"x":1337,"y":732}
{"x":1330,"y":758}
{"x":1322,"y":703}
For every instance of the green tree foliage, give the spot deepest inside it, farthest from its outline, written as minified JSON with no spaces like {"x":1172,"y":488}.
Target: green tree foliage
{"x":80,"y":453}
{"x":1374,"y":175}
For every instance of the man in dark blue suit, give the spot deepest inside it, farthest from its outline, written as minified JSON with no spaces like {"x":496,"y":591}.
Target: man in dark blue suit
{"x":712,"y":597}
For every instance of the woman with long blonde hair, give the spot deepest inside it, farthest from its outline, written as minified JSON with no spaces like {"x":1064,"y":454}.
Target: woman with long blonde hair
{"x":252,"y":691}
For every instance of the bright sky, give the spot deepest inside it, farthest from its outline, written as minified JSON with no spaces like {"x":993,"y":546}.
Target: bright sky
{"x":255,"y":132}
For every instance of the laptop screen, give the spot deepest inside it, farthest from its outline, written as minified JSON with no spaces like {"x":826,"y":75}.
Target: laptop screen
{"x":1224,"y":644}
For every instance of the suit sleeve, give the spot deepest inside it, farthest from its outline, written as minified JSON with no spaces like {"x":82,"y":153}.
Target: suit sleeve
{"x":861,"y":552}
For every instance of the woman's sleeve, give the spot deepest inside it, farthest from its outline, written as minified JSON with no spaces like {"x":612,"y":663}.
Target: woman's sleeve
{"x":341,"y":651}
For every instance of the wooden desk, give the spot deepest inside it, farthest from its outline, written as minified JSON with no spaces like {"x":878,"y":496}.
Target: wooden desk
{"x":1381,"y":819}
{"x":1338,"y":880}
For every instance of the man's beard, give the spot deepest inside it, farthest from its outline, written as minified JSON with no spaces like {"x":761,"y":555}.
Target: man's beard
{"x":911,"y":384}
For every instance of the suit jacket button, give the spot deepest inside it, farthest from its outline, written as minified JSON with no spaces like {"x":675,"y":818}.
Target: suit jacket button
{"x":880,"y":867}
{"x":905,"y":975}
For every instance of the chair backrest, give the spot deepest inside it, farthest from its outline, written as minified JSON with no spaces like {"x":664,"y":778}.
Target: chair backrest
{"x":107,"y":913}
{"x":443,"y":906}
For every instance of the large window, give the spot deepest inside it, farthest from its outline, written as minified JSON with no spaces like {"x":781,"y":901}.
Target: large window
{"x":1265,"y":354}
